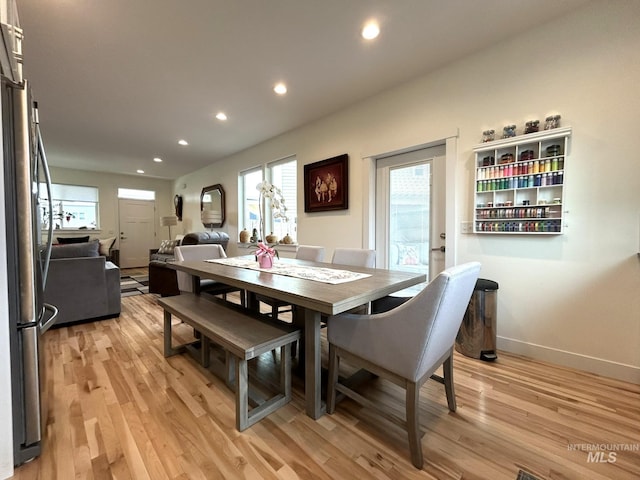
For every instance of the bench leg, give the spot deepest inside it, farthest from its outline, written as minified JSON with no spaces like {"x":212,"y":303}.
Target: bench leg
{"x":230,"y":368}
{"x":242,"y":394}
{"x":168,"y":351}
{"x":204,"y":351}
{"x":285,"y":371}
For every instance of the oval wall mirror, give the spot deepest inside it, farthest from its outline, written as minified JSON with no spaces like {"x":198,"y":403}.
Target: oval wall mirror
{"x":212,"y":206}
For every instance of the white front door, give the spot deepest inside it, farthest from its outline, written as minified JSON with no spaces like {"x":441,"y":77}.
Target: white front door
{"x":137,"y":231}
{"x":410,"y":212}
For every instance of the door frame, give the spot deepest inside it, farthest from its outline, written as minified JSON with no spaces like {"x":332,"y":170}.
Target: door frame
{"x":152,"y":203}
{"x":369,"y":194}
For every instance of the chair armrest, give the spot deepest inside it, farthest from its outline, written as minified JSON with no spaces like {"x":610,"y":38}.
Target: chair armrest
{"x":114,"y":256}
{"x":112,"y":278}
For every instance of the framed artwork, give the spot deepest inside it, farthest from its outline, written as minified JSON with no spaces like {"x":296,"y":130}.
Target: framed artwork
{"x":326,"y":184}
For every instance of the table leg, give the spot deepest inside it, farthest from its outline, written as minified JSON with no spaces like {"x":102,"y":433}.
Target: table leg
{"x":252,"y":303}
{"x":313,"y":373}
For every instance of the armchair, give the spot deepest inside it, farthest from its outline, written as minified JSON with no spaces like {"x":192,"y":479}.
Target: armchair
{"x":83,"y":288}
{"x":405,"y":345}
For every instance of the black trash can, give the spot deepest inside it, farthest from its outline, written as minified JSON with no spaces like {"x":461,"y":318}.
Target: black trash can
{"x":477,"y":335}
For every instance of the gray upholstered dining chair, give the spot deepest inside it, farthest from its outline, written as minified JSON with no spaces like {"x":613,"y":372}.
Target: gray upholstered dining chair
{"x":405,"y":345}
{"x":311,"y":253}
{"x":356,"y":257}
{"x":202,"y":252}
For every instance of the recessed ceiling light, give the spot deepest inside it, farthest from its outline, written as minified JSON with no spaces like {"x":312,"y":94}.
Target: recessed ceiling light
{"x":221,"y":116}
{"x":280,"y":88}
{"x":157,"y":159}
{"x":140,"y":171}
{"x":370,"y":31}
{"x":183,"y":142}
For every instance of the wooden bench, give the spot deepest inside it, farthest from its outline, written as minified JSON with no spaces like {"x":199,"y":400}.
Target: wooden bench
{"x":243,"y":336}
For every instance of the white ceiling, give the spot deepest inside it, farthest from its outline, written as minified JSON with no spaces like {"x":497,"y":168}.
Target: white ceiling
{"x":120,"y":81}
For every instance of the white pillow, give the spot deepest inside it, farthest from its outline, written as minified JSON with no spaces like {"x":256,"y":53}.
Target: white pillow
{"x":105,"y":245}
{"x":167,"y":246}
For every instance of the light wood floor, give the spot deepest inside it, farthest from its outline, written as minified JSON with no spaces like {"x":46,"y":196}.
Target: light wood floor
{"x":121,"y":410}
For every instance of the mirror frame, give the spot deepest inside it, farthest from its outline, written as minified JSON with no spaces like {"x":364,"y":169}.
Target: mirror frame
{"x":211,"y":188}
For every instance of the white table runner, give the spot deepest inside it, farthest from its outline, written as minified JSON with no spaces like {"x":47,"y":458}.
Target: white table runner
{"x":317,"y":274}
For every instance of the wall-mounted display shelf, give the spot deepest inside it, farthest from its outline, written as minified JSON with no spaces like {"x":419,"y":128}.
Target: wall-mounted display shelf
{"x":519,"y":183}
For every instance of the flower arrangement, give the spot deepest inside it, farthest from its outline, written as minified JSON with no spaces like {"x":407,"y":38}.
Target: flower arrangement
{"x":273,"y":195}
{"x":264,"y":255}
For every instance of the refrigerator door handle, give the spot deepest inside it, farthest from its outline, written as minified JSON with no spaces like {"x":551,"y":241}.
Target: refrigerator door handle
{"x":47,"y":176}
{"x":47,"y":323}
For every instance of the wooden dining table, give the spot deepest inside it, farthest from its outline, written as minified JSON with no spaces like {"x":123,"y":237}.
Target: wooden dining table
{"x":313,"y":300}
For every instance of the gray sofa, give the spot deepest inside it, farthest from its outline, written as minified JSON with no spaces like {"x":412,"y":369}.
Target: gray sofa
{"x":165,"y":252}
{"x":82,"y":284}
{"x":163,"y":280}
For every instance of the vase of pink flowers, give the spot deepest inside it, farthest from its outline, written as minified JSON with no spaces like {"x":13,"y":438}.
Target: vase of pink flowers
{"x":264,"y":255}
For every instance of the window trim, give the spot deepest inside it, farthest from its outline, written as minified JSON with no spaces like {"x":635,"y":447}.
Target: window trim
{"x":266,"y":170}
{"x":61,"y":201}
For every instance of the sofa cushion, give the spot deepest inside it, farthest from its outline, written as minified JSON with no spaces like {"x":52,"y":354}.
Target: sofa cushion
{"x":72,"y":250}
{"x":67,"y":240}
{"x":161,"y":257}
{"x":167,"y":246}
{"x":199,"y":238}
{"x":105,"y":245}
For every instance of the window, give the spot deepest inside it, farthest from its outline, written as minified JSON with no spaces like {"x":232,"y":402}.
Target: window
{"x":248,"y":205}
{"x":136,"y":194}
{"x":282,"y":174}
{"x":74,"y":207}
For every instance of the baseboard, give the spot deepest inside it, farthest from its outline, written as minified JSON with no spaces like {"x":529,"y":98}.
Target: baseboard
{"x":599,"y":366}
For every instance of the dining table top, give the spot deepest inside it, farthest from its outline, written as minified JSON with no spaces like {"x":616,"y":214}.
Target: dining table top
{"x":326,"y":298}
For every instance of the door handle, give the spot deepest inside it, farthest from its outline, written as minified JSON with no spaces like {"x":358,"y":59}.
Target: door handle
{"x":438,"y":249}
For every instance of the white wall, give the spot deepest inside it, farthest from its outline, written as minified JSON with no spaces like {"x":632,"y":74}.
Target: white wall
{"x":6,"y":423}
{"x":108,"y":184}
{"x":571,"y":299}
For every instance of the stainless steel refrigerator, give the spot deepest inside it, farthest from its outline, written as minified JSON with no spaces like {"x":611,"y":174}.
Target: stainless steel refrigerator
{"x":25,"y":170}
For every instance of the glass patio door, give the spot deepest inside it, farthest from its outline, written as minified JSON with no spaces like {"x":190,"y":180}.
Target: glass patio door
{"x":410,"y":212}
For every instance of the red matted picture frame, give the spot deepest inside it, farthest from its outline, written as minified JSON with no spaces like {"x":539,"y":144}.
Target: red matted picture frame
{"x":326,"y":184}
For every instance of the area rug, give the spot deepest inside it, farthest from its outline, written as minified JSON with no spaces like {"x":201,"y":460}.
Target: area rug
{"x":522,"y":475}
{"x":134,"y":285}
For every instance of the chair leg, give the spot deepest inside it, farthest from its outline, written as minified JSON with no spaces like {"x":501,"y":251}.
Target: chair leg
{"x":447,"y":368}
{"x":413,"y":425}
{"x":334,"y":363}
